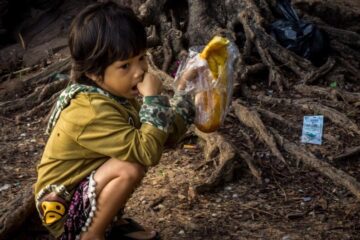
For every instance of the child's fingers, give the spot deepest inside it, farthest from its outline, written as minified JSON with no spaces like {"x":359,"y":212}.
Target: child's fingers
{"x":151,"y":85}
{"x":190,"y":75}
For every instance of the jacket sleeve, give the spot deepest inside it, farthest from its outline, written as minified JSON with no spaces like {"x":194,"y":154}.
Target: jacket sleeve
{"x":183,"y":106}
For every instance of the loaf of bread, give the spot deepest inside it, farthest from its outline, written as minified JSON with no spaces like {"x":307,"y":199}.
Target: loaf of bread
{"x":210,"y":106}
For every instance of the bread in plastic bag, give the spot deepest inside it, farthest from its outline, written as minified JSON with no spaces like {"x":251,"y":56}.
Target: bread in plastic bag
{"x":208,"y":73}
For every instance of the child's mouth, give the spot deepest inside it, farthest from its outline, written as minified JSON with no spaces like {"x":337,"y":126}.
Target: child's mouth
{"x":135,"y":90}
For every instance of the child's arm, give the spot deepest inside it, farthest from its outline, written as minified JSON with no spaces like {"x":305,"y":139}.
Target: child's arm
{"x":182,"y":105}
{"x":109,"y":133}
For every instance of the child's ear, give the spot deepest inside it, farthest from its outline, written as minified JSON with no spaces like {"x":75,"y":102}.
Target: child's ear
{"x":93,"y":77}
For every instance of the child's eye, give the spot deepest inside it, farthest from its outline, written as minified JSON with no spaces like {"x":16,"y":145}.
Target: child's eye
{"x":125,"y":66}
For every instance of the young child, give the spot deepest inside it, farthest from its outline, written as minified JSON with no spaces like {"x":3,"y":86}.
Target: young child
{"x":101,"y":140}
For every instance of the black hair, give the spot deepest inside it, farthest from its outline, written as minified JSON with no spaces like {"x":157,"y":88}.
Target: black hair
{"x":101,"y":34}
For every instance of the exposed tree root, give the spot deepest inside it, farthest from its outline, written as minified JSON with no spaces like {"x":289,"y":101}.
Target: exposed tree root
{"x":249,"y":144}
{"x":337,"y":175}
{"x":334,"y":115}
{"x":255,"y":171}
{"x":320,"y":72}
{"x":218,"y":149}
{"x":275,"y":75}
{"x":305,"y":104}
{"x":150,"y":10}
{"x":350,"y":66}
{"x":226,"y":159}
{"x":43,"y":109}
{"x":271,"y":116}
{"x":253,"y":22}
{"x":22,"y":206}
{"x":345,"y":36}
{"x":251,"y":69}
{"x":167,"y":80}
{"x":153,"y":38}
{"x":252,"y":120}
{"x":331,"y":93}
{"x":348,"y":153}
{"x":43,"y":76}
{"x":202,"y":26}
{"x":168,"y":55}
{"x":40,"y":94}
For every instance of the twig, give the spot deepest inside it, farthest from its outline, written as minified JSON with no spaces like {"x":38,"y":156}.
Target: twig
{"x":22,"y":42}
{"x":349,"y":153}
{"x":7,"y":119}
{"x":277,"y":183}
{"x":259,"y":210}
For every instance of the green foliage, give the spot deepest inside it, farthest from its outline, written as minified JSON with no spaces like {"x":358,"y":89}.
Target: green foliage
{"x":333,"y":84}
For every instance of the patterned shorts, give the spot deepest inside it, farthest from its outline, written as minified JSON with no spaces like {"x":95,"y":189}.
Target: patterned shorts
{"x":81,"y":209}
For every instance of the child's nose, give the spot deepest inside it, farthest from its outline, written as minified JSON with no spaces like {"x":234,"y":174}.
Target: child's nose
{"x":139,"y":72}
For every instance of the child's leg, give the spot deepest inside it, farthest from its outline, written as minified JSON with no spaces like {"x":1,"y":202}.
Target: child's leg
{"x":115,"y":181}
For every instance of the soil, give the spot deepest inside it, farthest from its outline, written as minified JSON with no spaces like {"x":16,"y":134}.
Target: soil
{"x":293,"y":202}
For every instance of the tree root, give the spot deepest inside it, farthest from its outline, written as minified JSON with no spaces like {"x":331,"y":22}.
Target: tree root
{"x":275,"y":73}
{"x":252,"y":120}
{"x":255,"y":171}
{"x":344,"y":36}
{"x":249,"y":144}
{"x":168,"y":55}
{"x":273,"y":116}
{"x":349,"y":57}
{"x":202,"y":27}
{"x":334,"y":115}
{"x":167,"y":80}
{"x":348,"y":153}
{"x":350,"y":67}
{"x":251,"y":69}
{"x":217,"y":145}
{"x":150,"y":10}
{"x":227,"y":158}
{"x":44,"y":108}
{"x":331,"y":93}
{"x":320,"y":72}
{"x":306,"y":104}
{"x":40,"y":94}
{"x":252,"y":21}
{"x":21,"y":207}
{"x":43,"y":77}
{"x":153,"y":38}
{"x":337,"y":175}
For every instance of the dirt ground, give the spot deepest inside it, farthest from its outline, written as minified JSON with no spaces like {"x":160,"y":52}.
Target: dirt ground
{"x":293,"y":202}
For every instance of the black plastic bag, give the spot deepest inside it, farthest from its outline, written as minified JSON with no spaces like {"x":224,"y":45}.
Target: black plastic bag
{"x":301,"y":37}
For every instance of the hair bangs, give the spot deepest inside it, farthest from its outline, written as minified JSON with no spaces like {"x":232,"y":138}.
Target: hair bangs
{"x":127,"y":40}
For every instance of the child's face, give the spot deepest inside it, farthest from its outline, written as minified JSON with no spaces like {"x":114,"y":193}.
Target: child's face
{"x":121,"y":77}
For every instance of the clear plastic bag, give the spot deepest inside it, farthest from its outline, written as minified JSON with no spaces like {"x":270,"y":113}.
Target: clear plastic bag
{"x":208,"y":73}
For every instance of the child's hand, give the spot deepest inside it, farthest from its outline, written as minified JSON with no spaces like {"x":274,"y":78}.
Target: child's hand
{"x":189,"y":75}
{"x":150,"y":86}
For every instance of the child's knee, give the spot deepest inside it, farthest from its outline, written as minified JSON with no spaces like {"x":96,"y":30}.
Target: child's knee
{"x":132,"y":172}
